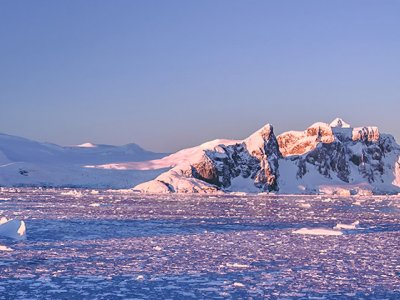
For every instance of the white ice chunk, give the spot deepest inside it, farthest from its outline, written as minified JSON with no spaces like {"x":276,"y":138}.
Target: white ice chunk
{"x":353,"y":225}
{"x":237,"y":265}
{"x":14,"y":229}
{"x":238,"y":284}
{"x":5,"y":248}
{"x":318,"y":231}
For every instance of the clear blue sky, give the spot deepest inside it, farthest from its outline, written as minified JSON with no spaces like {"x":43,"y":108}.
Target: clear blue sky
{"x":172,"y":74}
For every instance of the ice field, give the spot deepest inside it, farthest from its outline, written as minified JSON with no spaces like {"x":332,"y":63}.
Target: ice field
{"x":98,"y":244}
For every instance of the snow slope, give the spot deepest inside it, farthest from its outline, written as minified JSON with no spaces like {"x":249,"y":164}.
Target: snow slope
{"x":24,"y":162}
{"x":183,"y":156}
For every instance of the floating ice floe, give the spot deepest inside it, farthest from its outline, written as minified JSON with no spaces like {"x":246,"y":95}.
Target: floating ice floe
{"x":14,"y":229}
{"x":305,"y":205}
{"x":5,"y":248}
{"x":73,"y":193}
{"x":237,"y":265}
{"x":318,"y":231}
{"x":353,"y":225}
{"x":336,"y":230}
{"x":96,"y":204}
{"x":238,"y":284}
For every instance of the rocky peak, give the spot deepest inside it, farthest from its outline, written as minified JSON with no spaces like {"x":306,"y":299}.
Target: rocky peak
{"x":366,"y":134}
{"x":259,"y":142}
{"x":321,"y":131}
{"x":300,"y":142}
{"x":339,"y":123}
{"x":255,"y":158}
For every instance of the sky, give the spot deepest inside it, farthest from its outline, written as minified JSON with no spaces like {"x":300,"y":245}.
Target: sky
{"x":172,"y":74}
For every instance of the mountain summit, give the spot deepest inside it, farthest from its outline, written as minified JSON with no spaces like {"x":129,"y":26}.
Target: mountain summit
{"x":338,"y":122}
{"x":324,"y":158}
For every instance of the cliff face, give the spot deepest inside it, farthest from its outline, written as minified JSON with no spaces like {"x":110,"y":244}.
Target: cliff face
{"x":255,"y":159}
{"x":293,"y":162}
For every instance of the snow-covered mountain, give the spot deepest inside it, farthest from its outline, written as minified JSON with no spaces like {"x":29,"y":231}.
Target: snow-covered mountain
{"x":24,"y":162}
{"x":325,"y":158}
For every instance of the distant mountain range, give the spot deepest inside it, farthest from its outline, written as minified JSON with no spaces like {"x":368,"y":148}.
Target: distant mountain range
{"x":24,"y":162}
{"x":325,"y":158}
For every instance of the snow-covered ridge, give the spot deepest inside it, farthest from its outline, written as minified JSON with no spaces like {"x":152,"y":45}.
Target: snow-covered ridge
{"x":325,"y":158}
{"x":181,"y":157}
{"x":25,"y":162}
{"x":17,"y":149}
{"x":300,"y":142}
